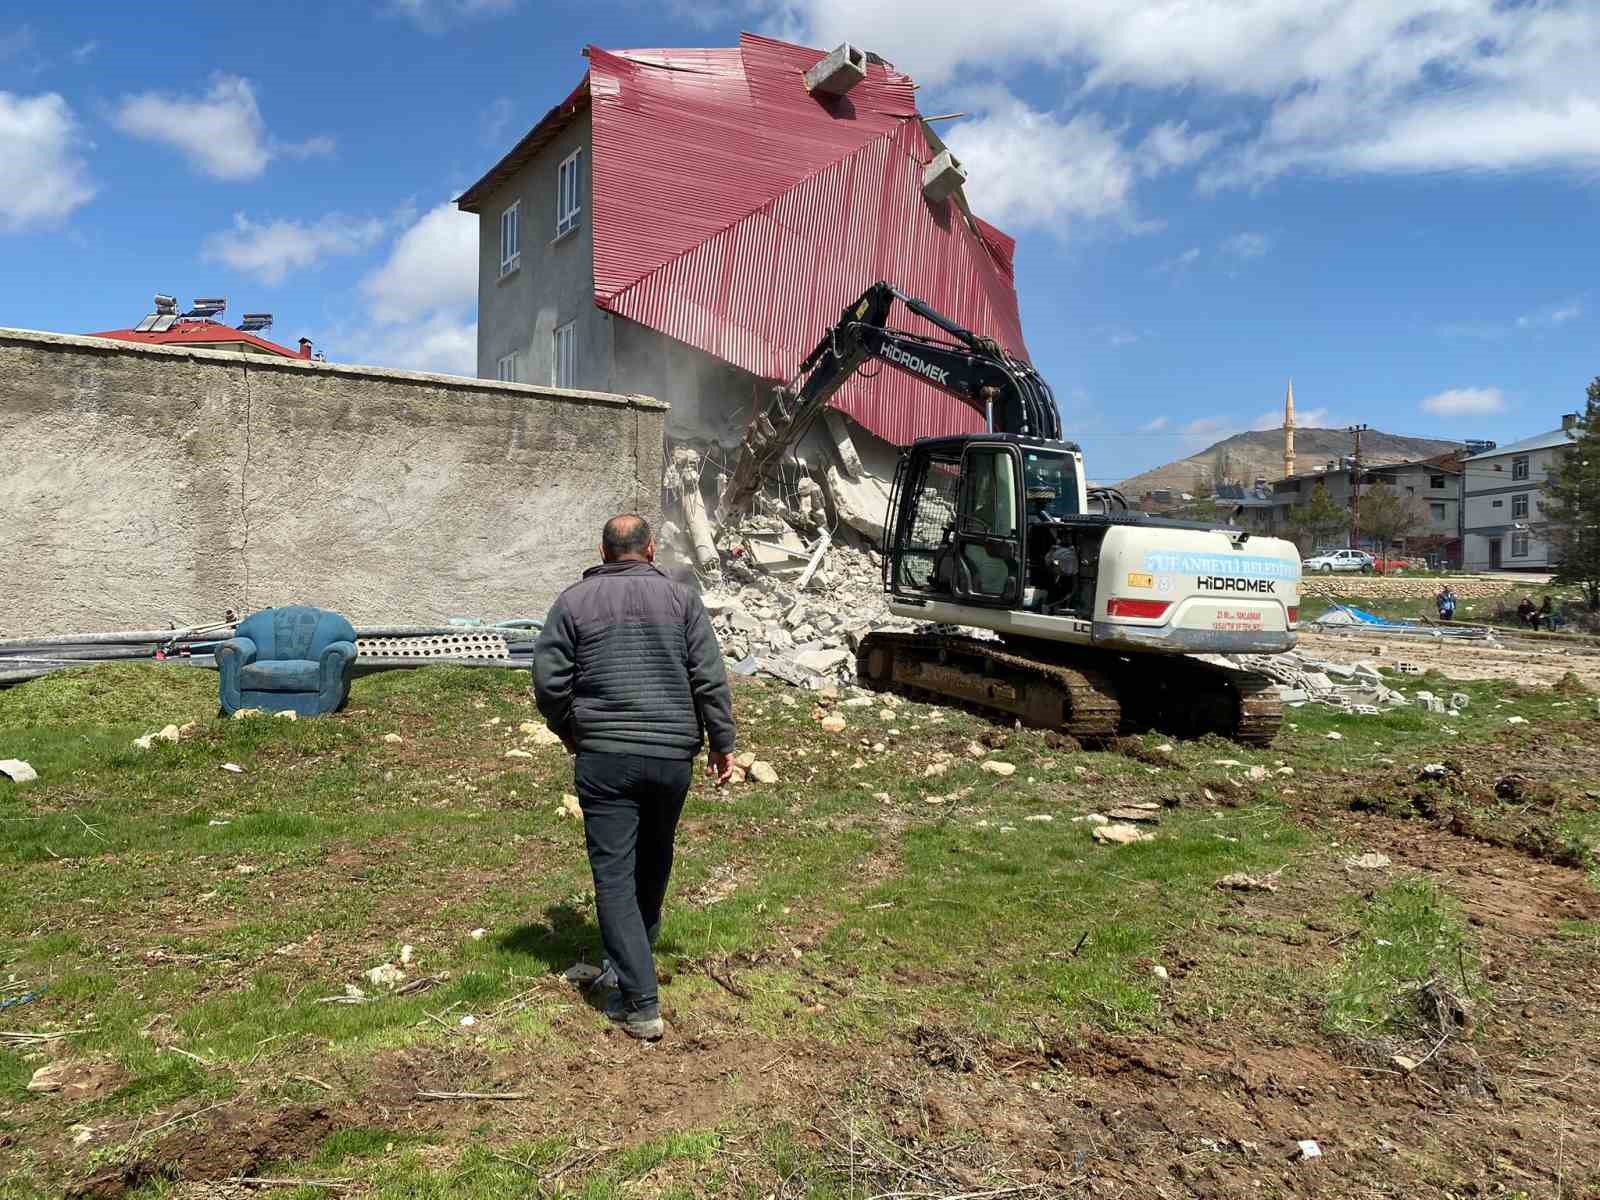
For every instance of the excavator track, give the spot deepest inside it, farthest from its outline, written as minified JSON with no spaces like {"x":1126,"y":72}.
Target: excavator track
{"x":1093,"y":695}
{"x":988,"y":676}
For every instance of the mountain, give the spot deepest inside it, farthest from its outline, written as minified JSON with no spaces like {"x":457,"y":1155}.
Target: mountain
{"x":1249,"y":456}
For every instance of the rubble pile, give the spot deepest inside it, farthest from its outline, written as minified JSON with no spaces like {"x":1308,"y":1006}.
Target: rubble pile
{"x":769,"y":623}
{"x":1358,"y":688}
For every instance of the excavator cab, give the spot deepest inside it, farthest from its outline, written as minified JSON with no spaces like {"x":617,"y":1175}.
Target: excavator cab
{"x":970,"y":517}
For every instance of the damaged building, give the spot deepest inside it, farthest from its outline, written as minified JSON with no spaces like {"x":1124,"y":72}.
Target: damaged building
{"x":688,"y":222}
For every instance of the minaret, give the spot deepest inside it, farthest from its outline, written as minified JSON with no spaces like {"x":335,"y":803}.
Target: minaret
{"x":1288,"y":432}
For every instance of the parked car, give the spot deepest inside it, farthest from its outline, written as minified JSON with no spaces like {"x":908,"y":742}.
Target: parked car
{"x":1339,"y":560}
{"x":1392,"y":565}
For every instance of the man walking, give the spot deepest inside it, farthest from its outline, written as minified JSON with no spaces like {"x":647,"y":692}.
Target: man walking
{"x":629,"y":674}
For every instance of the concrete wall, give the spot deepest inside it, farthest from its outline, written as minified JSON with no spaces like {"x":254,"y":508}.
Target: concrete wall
{"x":519,"y":312}
{"x":143,"y":485}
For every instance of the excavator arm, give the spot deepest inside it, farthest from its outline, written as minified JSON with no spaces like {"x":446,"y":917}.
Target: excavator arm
{"x":1008,"y":393}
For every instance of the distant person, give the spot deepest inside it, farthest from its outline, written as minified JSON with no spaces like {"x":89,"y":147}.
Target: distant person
{"x":628,"y":673}
{"x":1547,"y":614}
{"x":1528,"y":612}
{"x":1446,"y":600}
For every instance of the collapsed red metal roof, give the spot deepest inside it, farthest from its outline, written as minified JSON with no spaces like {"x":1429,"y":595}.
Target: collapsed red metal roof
{"x":737,"y":212}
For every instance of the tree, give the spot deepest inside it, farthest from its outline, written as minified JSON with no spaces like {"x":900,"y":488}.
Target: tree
{"x":1318,"y":521}
{"x":1572,"y":505}
{"x":1387,"y":516}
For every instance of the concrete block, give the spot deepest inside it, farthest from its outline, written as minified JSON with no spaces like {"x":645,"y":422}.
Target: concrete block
{"x":839,"y":71}
{"x":942,"y":176}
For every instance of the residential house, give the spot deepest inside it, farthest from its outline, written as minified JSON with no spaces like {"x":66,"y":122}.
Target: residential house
{"x":200,"y":329}
{"x":1504,"y":501}
{"x":1434,"y":482}
{"x":687,"y":224}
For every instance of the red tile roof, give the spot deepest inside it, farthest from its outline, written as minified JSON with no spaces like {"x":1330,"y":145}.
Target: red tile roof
{"x":198,"y":333}
{"x":736,"y":212}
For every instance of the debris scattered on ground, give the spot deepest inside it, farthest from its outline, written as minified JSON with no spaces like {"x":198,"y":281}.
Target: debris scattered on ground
{"x":385,"y":975}
{"x":833,"y":723}
{"x":539,"y":734}
{"x":394,"y":739}
{"x":77,"y":1080}
{"x":1371,"y":861}
{"x":167,"y":733}
{"x":1161,"y":973}
{"x":1307,"y":1150}
{"x":995,"y":767}
{"x":233,"y":768}
{"x":479,"y":934}
{"x":1147,"y":814}
{"x":1040,"y":818}
{"x":763,"y":772}
{"x":1238,"y":881}
{"x":516,"y":753}
{"x":17,"y":771}
{"x":570,"y":805}
{"x":1121,"y":835}
{"x":1433,"y":771}
{"x":245,"y":714}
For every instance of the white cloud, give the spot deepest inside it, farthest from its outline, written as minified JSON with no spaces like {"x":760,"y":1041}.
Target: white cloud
{"x":1304,"y":418}
{"x":1247,"y":245}
{"x":221,"y":133}
{"x":46,"y":178}
{"x":269,"y":250}
{"x":1208,"y":427}
{"x":435,"y":16}
{"x":1383,"y":86}
{"x":1027,"y":168}
{"x":1556,"y":314}
{"x":1179,"y":262}
{"x":83,"y":53}
{"x":1464,"y":402}
{"x":1170,"y":146}
{"x":433,"y":266}
{"x":1155,"y":426}
{"x":442,"y":342}
{"x":422,"y":300}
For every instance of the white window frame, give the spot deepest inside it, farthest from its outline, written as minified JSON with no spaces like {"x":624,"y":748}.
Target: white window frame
{"x":1521,"y":467}
{"x":1520,"y":547}
{"x":1519,"y":507}
{"x":510,"y":238}
{"x":508,"y":369}
{"x":564,"y":355}
{"x":569,"y":192}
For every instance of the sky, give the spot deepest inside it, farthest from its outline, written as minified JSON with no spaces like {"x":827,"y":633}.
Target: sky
{"x":1393,"y":202}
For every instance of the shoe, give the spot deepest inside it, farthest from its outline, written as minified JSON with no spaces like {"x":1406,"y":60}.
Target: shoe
{"x":646,"y":1027}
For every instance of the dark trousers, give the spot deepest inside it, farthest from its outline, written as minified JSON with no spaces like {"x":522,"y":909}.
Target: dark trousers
{"x":631,"y":805}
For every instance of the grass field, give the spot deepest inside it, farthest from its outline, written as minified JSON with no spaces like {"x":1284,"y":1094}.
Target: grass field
{"x":891,"y":972}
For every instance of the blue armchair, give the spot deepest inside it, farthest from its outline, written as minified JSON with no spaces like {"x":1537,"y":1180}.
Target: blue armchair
{"x":293,"y":658}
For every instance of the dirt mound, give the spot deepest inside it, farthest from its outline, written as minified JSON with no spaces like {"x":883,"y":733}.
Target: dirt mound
{"x":235,"y":1141}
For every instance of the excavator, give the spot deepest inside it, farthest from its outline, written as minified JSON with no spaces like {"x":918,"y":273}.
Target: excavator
{"x":1100,"y":620}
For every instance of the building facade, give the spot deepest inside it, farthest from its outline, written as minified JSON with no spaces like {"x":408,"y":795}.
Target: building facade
{"x":1503,"y":497}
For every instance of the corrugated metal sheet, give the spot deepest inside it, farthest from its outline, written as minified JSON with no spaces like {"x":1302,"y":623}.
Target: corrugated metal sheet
{"x":737,"y":213}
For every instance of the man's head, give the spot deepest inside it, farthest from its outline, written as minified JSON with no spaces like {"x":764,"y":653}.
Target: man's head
{"x":627,"y":536}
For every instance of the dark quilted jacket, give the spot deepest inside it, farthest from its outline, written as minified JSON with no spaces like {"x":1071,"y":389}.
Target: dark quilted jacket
{"x":628,"y":664}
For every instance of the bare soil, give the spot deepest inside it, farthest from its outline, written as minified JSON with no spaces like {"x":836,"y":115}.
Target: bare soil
{"x":1521,"y":662}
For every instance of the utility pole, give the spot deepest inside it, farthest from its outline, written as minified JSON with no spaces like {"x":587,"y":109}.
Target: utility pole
{"x":1355,"y":490}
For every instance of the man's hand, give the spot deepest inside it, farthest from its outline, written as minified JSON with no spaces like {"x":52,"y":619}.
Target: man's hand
{"x":719,"y":766}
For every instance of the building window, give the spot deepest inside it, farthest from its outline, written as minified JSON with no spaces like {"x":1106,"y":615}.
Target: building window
{"x":507,"y":370}
{"x":1519,"y":507}
{"x":1436,"y":483}
{"x":510,"y":239}
{"x":565,"y":357}
{"x":569,"y":192}
{"x":1497,"y":504}
{"x":1436,"y":511}
{"x":1519,"y":467}
{"x":1519,"y":545}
